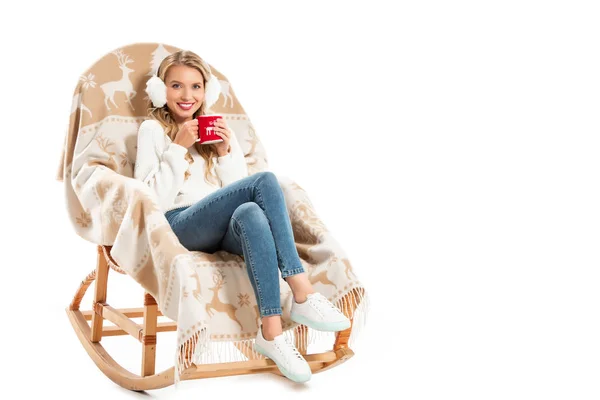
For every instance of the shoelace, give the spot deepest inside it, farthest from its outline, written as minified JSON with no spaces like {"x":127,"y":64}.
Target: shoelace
{"x":290,"y":346}
{"x":320,"y":301}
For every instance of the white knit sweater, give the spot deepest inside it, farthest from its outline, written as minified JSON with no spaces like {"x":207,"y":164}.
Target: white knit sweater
{"x":161,"y":164}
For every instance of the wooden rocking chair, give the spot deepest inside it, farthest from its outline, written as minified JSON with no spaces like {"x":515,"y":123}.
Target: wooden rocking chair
{"x":90,"y":334}
{"x":93,"y":105}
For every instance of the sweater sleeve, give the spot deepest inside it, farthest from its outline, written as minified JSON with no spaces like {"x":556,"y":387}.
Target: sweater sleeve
{"x":232,"y":167}
{"x":162,"y":170}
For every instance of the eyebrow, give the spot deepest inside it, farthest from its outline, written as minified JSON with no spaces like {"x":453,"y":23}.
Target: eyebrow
{"x":197,"y":83}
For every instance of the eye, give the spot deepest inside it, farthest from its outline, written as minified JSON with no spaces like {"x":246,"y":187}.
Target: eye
{"x":177,"y":84}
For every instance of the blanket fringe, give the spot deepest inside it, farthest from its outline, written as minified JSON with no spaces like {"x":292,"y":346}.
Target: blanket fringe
{"x":200,"y":350}
{"x":188,"y":351}
{"x":356,"y":306}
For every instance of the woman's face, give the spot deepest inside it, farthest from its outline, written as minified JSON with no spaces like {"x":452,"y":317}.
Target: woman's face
{"x":185,"y":92}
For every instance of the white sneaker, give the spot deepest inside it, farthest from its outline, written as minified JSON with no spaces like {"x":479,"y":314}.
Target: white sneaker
{"x":283,"y":353}
{"x":319,"y":313}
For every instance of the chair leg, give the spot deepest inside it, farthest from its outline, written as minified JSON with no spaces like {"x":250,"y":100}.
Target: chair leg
{"x":149,"y":335}
{"x":99,"y":296}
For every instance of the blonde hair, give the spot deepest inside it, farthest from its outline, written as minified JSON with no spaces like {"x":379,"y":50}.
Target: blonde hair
{"x":163,"y":114}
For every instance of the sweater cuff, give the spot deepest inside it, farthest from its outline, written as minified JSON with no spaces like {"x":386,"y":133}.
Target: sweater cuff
{"x":177,"y":149}
{"x":225,"y":160}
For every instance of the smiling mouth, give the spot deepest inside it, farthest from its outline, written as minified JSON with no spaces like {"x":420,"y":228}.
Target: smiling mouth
{"x":186,"y":106}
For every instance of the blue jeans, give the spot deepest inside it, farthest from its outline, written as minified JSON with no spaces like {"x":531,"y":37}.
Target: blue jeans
{"x":249,"y":218}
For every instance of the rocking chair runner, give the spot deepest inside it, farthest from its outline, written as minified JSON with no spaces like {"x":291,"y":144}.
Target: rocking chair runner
{"x":90,"y":336}
{"x":120,"y":215}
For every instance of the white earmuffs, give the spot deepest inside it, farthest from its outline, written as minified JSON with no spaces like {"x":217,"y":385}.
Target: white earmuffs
{"x":157,"y":90}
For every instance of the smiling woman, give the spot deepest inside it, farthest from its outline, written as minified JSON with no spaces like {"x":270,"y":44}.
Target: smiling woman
{"x":185,"y":92}
{"x":190,"y":90}
{"x":245,"y":215}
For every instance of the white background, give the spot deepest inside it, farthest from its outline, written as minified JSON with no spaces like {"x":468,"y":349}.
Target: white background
{"x":451,"y":148}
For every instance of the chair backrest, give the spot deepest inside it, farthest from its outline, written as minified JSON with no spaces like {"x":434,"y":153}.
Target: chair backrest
{"x":109,"y":103}
{"x":113,"y":90}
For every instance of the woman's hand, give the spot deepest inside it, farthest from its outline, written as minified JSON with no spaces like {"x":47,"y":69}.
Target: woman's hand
{"x":223,"y":148}
{"x":188,"y":134}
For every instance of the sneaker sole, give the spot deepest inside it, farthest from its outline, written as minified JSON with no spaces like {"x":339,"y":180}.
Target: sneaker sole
{"x":321,"y":326}
{"x":293,"y":377}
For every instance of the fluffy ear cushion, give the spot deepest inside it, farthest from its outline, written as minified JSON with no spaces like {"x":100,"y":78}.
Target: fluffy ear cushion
{"x":157,"y":91}
{"x":212,"y":92}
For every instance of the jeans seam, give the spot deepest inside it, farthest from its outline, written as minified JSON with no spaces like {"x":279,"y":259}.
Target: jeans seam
{"x":279,"y":258}
{"x":260,"y":300}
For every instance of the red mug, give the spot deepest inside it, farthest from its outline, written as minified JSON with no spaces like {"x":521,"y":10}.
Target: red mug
{"x":206,"y":129}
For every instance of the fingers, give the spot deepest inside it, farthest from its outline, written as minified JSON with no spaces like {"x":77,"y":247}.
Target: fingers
{"x":221,"y":122}
{"x":223,"y":135}
{"x":223,"y":131}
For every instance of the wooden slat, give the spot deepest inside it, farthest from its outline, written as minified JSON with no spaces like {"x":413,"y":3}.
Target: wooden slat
{"x":316,"y":361}
{"x":120,"y":320}
{"x":160,"y":327}
{"x":266,"y":363}
{"x":136,"y":312}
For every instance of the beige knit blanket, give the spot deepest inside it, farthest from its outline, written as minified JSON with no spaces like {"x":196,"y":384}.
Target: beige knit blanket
{"x":208,"y":295}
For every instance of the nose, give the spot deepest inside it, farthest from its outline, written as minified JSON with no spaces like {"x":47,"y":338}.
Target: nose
{"x":187,"y":94}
